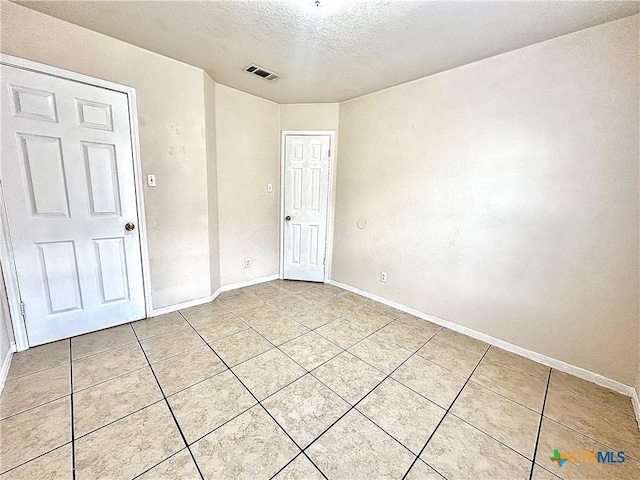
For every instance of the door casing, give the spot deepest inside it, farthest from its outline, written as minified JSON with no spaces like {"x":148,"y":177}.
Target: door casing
{"x":6,"y":256}
{"x":331,"y":196}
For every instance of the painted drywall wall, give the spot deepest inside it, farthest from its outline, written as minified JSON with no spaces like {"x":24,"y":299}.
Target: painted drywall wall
{"x":503,"y":196}
{"x":309,"y":116}
{"x":247,"y":132}
{"x":212,"y":180}
{"x":172,"y":138}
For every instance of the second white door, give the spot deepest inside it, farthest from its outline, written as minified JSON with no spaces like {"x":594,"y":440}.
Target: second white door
{"x":306,"y":200}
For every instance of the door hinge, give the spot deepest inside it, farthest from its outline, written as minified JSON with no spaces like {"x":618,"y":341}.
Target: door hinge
{"x":329,"y":152}
{"x":22,"y":311}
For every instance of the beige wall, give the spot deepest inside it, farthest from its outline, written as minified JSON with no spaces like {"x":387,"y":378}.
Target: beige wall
{"x":247,"y":131}
{"x":503,"y":196}
{"x":172,"y":138}
{"x":309,"y":116}
{"x":212,"y":180}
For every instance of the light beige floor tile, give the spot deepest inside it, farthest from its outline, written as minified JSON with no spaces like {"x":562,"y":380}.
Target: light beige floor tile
{"x":524,"y":365}
{"x":314,"y":317}
{"x":554,"y":436}
{"x":430,"y":329}
{"x":39,"y":358}
{"x":101,"y":341}
{"x":205,"y":406}
{"x":509,"y":422}
{"x":457,"y":450}
{"x":339,"y":306}
{"x":300,"y":469}
{"x":384,"y":309}
{"x":32,"y":390}
{"x":520,"y":387}
{"x":265,"y":290}
{"x":178,"y":467}
{"x":462,"y":340}
{"x":310,"y":350}
{"x":316,"y":295}
{"x":281,"y":330}
{"x":434,"y":382}
{"x":404,"y":335}
{"x":169,"y":344}
{"x":305,"y":409}
{"x":55,"y":465}
{"x":540,"y":473}
{"x":289,"y":304}
{"x":355,"y":448}
{"x":34,"y":432}
{"x":230,"y":293}
{"x":592,"y":391}
{"x":181,"y":371}
{"x":593,"y":419}
{"x":267,"y":373}
{"x":293,"y":286}
{"x":451,"y":356}
{"x":349,"y":377}
{"x":326,"y":287}
{"x":129,"y":446}
{"x":241,"y":346}
{"x":368,"y":318}
{"x":150,"y":327}
{"x":204,"y":312}
{"x":241,"y":303}
{"x":382,"y":354}
{"x":402,"y":413}
{"x":422,"y":471}
{"x":250,"y":446}
{"x":96,"y":406}
{"x":259,"y":315}
{"x":104,"y":366}
{"x":343,"y":332}
{"x":354,"y":298}
{"x":214,"y":328}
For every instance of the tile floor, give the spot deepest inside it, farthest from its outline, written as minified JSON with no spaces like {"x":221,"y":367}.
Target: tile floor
{"x":299,"y":381}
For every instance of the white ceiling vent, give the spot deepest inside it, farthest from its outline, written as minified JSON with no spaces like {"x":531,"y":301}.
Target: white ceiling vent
{"x":261,"y":72}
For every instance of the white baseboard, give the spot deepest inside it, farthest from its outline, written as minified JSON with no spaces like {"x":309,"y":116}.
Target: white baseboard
{"x":6,"y":364}
{"x":636,"y":405}
{"x":248,"y":283}
{"x":210,"y":298}
{"x":536,"y":357}
{"x":183,"y":305}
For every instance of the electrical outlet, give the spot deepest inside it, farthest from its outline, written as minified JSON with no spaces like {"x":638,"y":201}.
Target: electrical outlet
{"x":247,"y":263}
{"x":383,"y":276}
{"x":269,"y":187}
{"x":151,"y":180}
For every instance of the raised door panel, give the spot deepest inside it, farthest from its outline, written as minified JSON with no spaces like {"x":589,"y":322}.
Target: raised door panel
{"x":60,"y":277}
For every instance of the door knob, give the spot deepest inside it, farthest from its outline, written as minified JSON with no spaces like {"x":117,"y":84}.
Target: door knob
{"x":287,"y":218}
{"x":129,"y":227}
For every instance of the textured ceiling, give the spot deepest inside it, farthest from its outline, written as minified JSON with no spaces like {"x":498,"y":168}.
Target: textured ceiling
{"x":340,"y":50}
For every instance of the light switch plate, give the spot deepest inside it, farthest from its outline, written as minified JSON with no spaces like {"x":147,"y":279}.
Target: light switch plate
{"x":151,"y":180}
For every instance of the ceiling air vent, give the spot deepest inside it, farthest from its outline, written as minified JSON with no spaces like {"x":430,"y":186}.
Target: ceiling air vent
{"x":261,"y":72}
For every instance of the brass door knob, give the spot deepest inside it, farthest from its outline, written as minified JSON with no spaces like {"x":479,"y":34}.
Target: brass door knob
{"x":287,"y":218}
{"x":129,"y":227}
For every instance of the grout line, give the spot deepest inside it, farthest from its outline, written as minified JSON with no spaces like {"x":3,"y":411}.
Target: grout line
{"x":535,"y":449}
{"x":73,"y":440}
{"x":168,"y":405}
{"x":443,"y":417}
{"x":4,"y":472}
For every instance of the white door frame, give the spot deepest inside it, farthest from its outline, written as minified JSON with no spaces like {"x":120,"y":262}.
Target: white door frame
{"x":9,"y":271}
{"x":330,"y":202}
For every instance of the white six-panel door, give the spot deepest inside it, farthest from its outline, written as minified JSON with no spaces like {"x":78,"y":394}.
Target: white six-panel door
{"x":68,"y":181}
{"x":306,"y":196}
